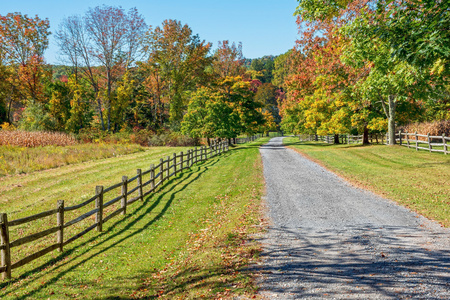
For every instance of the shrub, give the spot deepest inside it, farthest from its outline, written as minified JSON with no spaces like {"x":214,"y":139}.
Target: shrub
{"x":172,"y":139}
{"x":35,"y":118}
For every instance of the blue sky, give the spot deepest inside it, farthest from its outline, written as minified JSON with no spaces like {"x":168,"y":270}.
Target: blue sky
{"x":265,"y":27}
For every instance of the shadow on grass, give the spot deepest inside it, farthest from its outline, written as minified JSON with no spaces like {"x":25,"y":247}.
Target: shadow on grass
{"x":311,"y":262}
{"x":182,"y":180}
{"x":194,"y":277}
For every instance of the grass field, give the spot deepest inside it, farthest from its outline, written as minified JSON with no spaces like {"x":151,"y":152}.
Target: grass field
{"x":20,"y":160}
{"x":187,"y":241}
{"x":418,"y":180}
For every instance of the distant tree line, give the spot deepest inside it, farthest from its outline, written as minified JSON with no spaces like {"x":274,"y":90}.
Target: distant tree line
{"x":117,"y":73}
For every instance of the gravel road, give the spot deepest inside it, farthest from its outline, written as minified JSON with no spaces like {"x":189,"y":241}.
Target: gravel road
{"x":328,"y":239}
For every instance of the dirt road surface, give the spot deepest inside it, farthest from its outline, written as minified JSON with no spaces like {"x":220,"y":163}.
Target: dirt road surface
{"x":330,"y":240}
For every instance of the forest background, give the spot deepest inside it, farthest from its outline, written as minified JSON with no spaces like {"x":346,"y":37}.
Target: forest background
{"x":358,"y":67}
{"x":122,"y":76}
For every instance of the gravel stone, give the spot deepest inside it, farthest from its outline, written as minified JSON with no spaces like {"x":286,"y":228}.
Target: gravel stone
{"x":330,"y":240}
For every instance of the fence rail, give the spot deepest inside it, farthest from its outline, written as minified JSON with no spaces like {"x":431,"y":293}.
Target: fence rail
{"x":411,"y":140}
{"x":158,"y":174}
{"x":416,"y":141}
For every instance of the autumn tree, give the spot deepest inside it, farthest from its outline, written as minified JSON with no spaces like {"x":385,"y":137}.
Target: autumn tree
{"x":228,"y":60}
{"x":390,"y":81}
{"x":175,"y":64}
{"x":105,"y":36}
{"x":23,"y":41}
{"x":397,"y":45}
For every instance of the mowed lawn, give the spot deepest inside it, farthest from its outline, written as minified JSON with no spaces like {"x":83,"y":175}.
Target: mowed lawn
{"x":418,"y":180}
{"x":188,"y":240}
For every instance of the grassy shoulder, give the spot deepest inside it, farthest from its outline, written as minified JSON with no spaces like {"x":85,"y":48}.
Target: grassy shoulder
{"x":19,"y":160}
{"x":417,"y":180}
{"x":187,"y":241}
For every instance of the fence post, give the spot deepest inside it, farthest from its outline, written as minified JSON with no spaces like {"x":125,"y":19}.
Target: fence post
{"x":99,"y":206}
{"x":60,"y":224}
{"x":161,"y":170}
{"x":445,"y":143}
{"x":152,"y":177}
{"x":182,"y":160}
{"x":195,"y":155}
{"x":168,"y":168}
{"x":429,"y":142}
{"x":417,"y":141}
{"x":188,"y":160}
{"x":407,"y":140}
{"x":400,"y":137}
{"x":175,"y":164}
{"x":123,"y":202}
{"x":139,"y":184}
{"x":6,"y":253}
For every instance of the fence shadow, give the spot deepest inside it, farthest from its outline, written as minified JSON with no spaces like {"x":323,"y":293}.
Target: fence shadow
{"x":180,"y":183}
{"x":371,"y":261}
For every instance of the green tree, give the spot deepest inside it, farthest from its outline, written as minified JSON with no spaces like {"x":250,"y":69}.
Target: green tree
{"x":281,"y":69}
{"x":177,"y":60}
{"x":224,"y":111}
{"x":210,"y":115}
{"x":267,"y":96}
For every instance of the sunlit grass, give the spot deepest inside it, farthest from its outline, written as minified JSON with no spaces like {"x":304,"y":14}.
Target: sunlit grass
{"x":20,"y":160}
{"x":416,"y":179}
{"x":186,"y":241}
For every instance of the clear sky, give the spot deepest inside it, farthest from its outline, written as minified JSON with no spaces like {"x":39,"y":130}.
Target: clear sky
{"x":265,"y":27}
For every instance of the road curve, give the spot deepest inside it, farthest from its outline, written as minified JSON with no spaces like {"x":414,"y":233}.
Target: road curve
{"x":328,"y":239}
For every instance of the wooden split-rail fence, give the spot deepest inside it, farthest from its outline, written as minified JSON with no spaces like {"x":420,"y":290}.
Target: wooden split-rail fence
{"x":411,"y":140}
{"x":432,"y":143}
{"x":157,"y":174}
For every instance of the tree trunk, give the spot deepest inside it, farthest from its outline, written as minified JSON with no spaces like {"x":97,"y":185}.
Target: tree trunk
{"x":366,"y":135}
{"x":336,"y":139}
{"x":209,"y":141}
{"x":9,"y":119}
{"x":108,"y":106}
{"x":100,"y":112}
{"x":392,"y":113}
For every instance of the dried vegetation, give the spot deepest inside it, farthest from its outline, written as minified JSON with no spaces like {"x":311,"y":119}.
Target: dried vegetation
{"x":35,"y":138}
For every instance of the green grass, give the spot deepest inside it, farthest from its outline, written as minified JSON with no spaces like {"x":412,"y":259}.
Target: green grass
{"x":187,"y":241}
{"x":416,"y":179}
{"x":20,"y":160}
